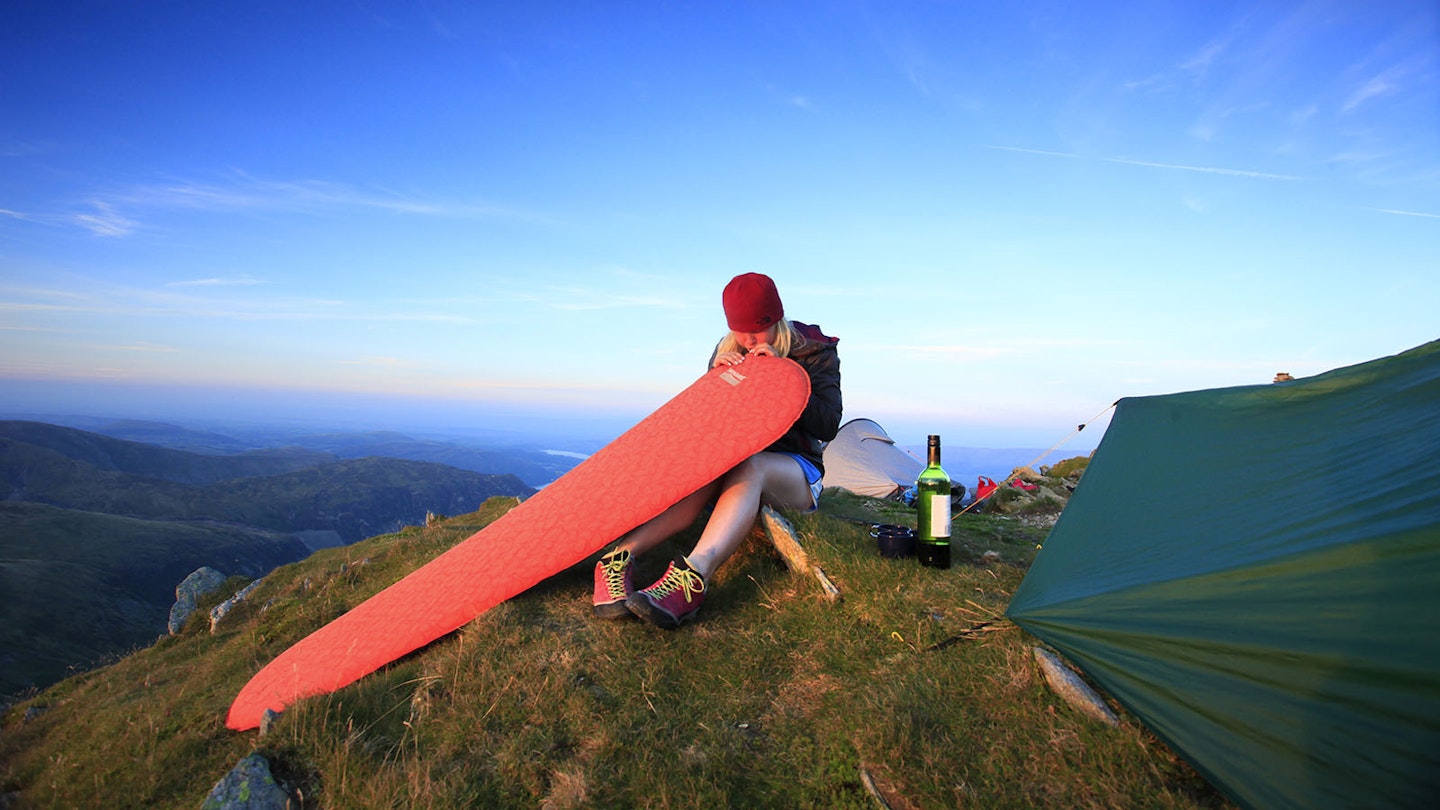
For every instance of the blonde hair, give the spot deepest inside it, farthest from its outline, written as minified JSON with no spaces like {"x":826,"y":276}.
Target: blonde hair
{"x":786,"y":340}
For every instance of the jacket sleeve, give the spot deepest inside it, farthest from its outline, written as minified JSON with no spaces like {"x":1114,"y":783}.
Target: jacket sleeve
{"x":821,"y":418}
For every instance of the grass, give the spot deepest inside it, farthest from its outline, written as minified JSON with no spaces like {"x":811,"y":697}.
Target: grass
{"x":80,"y":587}
{"x":773,"y":697}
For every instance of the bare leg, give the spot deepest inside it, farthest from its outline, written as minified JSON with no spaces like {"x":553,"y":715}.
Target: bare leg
{"x":770,"y":478}
{"x":675,"y":519}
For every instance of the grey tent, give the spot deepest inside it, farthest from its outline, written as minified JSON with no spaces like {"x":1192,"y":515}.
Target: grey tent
{"x":1254,"y":572}
{"x":864,"y":459}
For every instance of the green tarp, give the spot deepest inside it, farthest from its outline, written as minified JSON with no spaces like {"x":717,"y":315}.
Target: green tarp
{"x":1255,"y":574}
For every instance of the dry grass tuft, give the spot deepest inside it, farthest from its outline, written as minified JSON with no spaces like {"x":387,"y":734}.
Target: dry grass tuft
{"x":568,"y":790}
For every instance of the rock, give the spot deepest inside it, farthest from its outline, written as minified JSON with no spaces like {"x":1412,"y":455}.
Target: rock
{"x":1008,"y":500}
{"x":1071,"y":468}
{"x":200,"y":582}
{"x":1026,"y":474}
{"x":223,"y":609}
{"x":267,"y":722}
{"x":249,"y":786}
{"x":1025,"y":491}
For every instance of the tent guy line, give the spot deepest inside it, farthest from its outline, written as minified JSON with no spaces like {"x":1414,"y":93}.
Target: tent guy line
{"x":1076,"y":432}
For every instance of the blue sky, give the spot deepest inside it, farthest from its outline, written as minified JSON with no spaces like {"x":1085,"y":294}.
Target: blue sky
{"x":1012,"y":214}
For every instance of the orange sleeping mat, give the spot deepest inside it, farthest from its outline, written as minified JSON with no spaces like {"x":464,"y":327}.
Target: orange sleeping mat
{"x":723,"y":418}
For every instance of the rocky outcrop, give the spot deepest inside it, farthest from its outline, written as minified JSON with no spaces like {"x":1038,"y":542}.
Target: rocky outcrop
{"x":220,"y":611}
{"x":201,"y":581}
{"x":1026,"y":491}
{"x":249,"y":786}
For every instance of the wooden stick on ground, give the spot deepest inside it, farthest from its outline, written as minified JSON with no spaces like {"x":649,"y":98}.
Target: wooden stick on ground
{"x":1072,"y":689}
{"x":782,"y":536}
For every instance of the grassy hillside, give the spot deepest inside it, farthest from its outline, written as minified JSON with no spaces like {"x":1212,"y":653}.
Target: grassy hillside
{"x":773,"y":697}
{"x":78,"y":587}
{"x":95,"y":533}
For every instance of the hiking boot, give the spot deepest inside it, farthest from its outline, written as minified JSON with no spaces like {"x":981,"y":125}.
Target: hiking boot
{"x":612,"y":585}
{"x":672,"y":599}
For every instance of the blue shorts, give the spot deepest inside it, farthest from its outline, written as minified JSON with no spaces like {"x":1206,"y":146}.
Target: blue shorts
{"x":812,"y":477}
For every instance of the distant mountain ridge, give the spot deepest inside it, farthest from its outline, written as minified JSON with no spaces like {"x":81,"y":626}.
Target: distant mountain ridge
{"x":529,"y":463}
{"x":136,"y":458}
{"x":174,"y":437}
{"x":534,"y":467}
{"x":281,"y":491}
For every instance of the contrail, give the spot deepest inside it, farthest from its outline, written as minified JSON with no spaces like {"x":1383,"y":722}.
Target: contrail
{"x":1152,"y":164}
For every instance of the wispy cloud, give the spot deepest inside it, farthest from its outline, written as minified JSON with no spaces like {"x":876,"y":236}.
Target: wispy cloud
{"x":27,"y":306}
{"x":788,"y":98}
{"x":1407,"y":213}
{"x":13,"y":149}
{"x":106,"y":221}
{"x":606,"y":288}
{"x":120,"y":212}
{"x":149,"y":348}
{"x":187,"y":300}
{"x":1374,"y":88}
{"x":101,"y":218}
{"x":1192,"y":70}
{"x":575,"y":299}
{"x":1158,"y":83}
{"x":233,"y":281}
{"x":1151,"y":164}
{"x":1302,"y":115}
{"x":1387,"y":82}
{"x":949,"y":350}
{"x":249,"y":193}
{"x":992,"y":349}
{"x":383,"y":362}
{"x":1199,"y":64}
{"x":32,"y":292}
{"x":302,"y":310}
{"x":11,"y":327}
{"x":1203,"y":169}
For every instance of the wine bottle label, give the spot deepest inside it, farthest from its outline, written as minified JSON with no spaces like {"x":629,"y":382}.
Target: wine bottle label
{"x":939,"y":515}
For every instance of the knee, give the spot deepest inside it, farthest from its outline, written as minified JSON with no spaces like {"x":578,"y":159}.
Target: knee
{"x":748,"y":471}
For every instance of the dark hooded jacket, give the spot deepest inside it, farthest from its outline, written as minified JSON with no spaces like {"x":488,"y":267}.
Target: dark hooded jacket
{"x":820,"y":421}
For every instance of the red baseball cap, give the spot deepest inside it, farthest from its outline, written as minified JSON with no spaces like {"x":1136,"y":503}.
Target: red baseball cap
{"x":752,"y":303}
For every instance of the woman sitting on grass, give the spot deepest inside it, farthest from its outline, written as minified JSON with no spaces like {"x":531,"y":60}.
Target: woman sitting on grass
{"x":785,"y":475}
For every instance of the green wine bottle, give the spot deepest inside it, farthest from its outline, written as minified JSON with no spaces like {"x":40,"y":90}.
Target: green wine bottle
{"x":932,"y":498}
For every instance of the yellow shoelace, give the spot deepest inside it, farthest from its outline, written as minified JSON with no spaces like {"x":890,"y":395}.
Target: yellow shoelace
{"x":615,"y":571}
{"x":679,"y":579}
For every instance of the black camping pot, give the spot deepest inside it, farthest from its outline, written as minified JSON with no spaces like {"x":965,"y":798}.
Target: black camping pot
{"x":893,"y":541}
